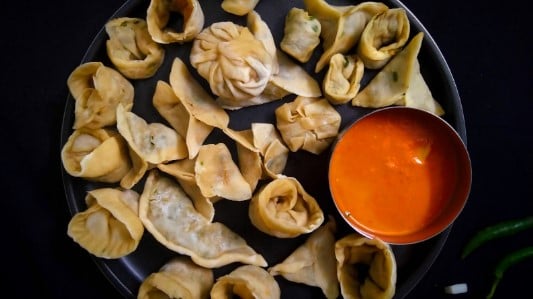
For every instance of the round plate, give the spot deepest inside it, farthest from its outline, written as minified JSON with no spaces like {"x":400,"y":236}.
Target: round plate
{"x":127,"y":273}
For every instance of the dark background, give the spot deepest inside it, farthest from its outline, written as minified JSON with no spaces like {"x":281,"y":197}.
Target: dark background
{"x":488,"y":48}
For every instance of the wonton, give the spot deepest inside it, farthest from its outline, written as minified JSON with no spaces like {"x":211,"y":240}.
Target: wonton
{"x":246,"y":281}
{"x":158,"y":16}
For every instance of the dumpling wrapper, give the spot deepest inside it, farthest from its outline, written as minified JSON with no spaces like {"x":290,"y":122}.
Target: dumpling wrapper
{"x":343,"y":78}
{"x":178,"y":278}
{"x":155,"y":143}
{"x":383,"y":37}
{"x":400,"y":83}
{"x":136,"y":173}
{"x":110,"y":227}
{"x":283,"y":209}
{"x":170,"y":216}
{"x":310,"y":124}
{"x":97,"y":90}
{"x":246,"y":281}
{"x":131,"y":48}
{"x":273,"y":152}
{"x":313,"y":263}
{"x":380,"y":282}
{"x":98,"y":155}
{"x":341,"y":25}
{"x":301,"y":34}
{"x":158,"y":16}
{"x":239,"y":7}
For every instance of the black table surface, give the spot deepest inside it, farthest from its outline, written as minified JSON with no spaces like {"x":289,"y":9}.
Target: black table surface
{"x":487,"y":46}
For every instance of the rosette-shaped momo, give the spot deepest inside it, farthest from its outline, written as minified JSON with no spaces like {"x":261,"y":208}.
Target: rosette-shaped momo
{"x":170,"y":216}
{"x":400,"y":83}
{"x":283,"y":209}
{"x":343,"y":78}
{"x":178,"y":278}
{"x":301,"y":34}
{"x":131,"y":48}
{"x":110,"y":227}
{"x":246,"y":281}
{"x":383,"y":37}
{"x":97,"y":90}
{"x":158,"y":16}
{"x":313,"y":263}
{"x":380,"y":280}
{"x":341,"y":25}
{"x":310,"y":124}
{"x":239,"y":7}
{"x":97,"y":155}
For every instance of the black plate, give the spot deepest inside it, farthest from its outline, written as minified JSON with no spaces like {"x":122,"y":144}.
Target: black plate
{"x":127,"y":273}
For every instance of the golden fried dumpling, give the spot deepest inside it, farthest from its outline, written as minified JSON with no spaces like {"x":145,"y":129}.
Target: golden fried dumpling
{"x":155,"y":143}
{"x":400,"y":83}
{"x":309,"y":124}
{"x":301,"y":34}
{"x":246,"y":281}
{"x":380,"y":281}
{"x":250,"y":164}
{"x":313,"y":263}
{"x":283,"y":209}
{"x":273,"y":152}
{"x":239,"y":7}
{"x":97,"y":155}
{"x":217,"y":174}
{"x":383,"y":37}
{"x":159,"y":13}
{"x":110,"y":226}
{"x":131,"y":48}
{"x":341,"y":25}
{"x":343,"y":78}
{"x":138,"y":168}
{"x":169,"y":215}
{"x":178,"y":278}
{"x":97,"y":90}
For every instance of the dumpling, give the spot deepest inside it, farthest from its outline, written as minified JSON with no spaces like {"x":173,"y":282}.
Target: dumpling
{"x":110,"y":226}
{"x":400,"y":83}
{"x":239,"y":7}
{"x":246,"y":281}
{"x":343,"y":78}
{"x":97,"y":90}
{"x":301,"y":34}
{"x":178,"y":278}
{"x":138,"y":168}
{"x":283,"y":209}
{"x":383,"y":37}
{"x":158,"y":16}
{"x":169,"y":215}
{"x":341,"y":25}
{"x":313,"y":263}
{"x":97,"y":155}
{"x":273,"y":152}
{"x":379,"y":282}
{"x":310,"y":124}
{"x":131,"y":48}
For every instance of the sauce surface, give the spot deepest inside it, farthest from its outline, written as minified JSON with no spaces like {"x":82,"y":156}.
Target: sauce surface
{"x":391,"y":174}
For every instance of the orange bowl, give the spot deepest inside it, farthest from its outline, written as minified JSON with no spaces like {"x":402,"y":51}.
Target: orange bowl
{"x":399,"y":174}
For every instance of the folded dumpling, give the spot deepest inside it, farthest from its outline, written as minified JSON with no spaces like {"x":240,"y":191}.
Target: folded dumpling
{"x":97,"y":90}
{"x":343,"y":78}
{"x":159,"y":14}
{"x":97,"y":155}
{"x":310,"y":124}
{"x":400,"y":83}
{"x":246,"y":281}
{"x":178,"y":278}
{"x":110,"y":226}
{"x":138,"y":168}
{"x":283,"y":209}
{"x":239,"y":7}
{"x":131,"y":48}
{"x":169,"y":215}
{"x":301,"y":34}
{"x":313,"y":263}
{"x":379,"y":282}
{"x":383,"y":37}
{"x":341,"y":25}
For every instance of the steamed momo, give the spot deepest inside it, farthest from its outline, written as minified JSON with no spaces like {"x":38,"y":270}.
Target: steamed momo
{"x":159,"y":13}
{"x":246,"y":281}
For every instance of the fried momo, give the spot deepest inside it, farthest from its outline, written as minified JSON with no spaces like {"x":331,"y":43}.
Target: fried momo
{"x":110,"y":226}
{"x":158,"y":16}
{"x":178,"y":278}
{"x":301,"y":34}
{"x":379,"y":282}
{"x":239,"y":7}
{"x":246,"y":281}
{"x":131,"y":48}
{"x":343,"y":78}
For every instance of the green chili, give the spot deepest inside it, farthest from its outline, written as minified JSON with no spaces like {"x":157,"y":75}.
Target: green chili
{"x":508,"y":261}
{"x":501,"y":229}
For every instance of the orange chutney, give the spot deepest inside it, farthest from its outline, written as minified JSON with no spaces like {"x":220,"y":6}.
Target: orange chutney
{"x":391,"y":174}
